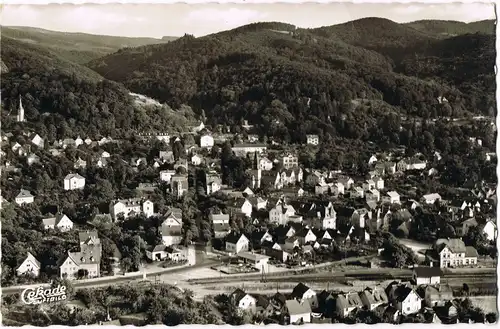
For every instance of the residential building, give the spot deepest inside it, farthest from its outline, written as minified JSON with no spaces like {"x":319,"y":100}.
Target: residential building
{"x":373,"y":298}
{"x":298,"y":312}
{"x":312,"y":139}
{"x":404,"y":299}
{"x":80,"y":164}
{"x":36,"y":140}
{"x":60,"y":221}
{"x":454,"y":253}
{"x":437,"y":295}
{"x":427,"y":275}
{"x":24,"y":197}
{"x":431,"y":198}
{"x":244,"y":301}
{"x":179,"y":185}
{"x":244,"y":149}
{"x":265,"y":164}
{"x":206,"y":141}
{"x":302,"y":293}
{"x":281,"y":213}
{"x":257,"y":261}
{"x":290,"y":161}
{"x":166,"y":175}
{"x":213,"y":182}
{"x":346,"y":303}
{"x":171,"y":227}
{"x":391,"y":197}
{"x":237,"y":242}
{"x":130,"y":207}
{"x":220,"y":224}
{"x":74,"y":182}
{"x":240,"y":205}
{"x":86,"y":262}
{"x":30,"y":266}
{"x":490,"y":230}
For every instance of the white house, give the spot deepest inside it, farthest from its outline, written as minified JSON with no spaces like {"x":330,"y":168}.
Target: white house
{"x":265,"y":164}
{"x":312,"y":139}
{"x":130,"y":207}
{"x":244,"y":301}
{"x":392,"y":197}
{"x":490,"y":230}
{"x":236,"y":243}
{"x":379,"y":183}
{"x":298,"y":312}
{"x":29,"y":266}
{"x":105,"y":154}
{"x":171,"y":228}
{"x":453,"y":252}
{"x":290,"y":161}
{"x":37,"y":140}
{"x":166,"y":175}
{"x":241,"y":205}
{"x":281,"y":213}
{"x":372,"y":160}
{"x":60,"y":221}
{"x":74,"y":182}
{"x":431,"y":198}
{"x":196,"y":160}
{"x":427,"y":275}
{"x":206,"y":141}
{"x":24,"y":197}
{"x":407,"y":300}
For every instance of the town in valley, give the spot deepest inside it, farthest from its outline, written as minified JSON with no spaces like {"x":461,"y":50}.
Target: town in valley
{"x":269,"y":174}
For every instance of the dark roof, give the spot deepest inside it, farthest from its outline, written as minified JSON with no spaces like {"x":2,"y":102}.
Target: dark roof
{"x":233,"y":238}
{"x":261,"y":301}
{"x":299,"y":290}
{"x":219,"y":227}
{"x":279,"y":297}
{"x":238,"y":295}
{"x":401,"y":292}
{"x":427,"y":272}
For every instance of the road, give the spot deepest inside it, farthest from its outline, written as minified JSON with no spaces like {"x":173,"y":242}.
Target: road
{"x":116,"y":279}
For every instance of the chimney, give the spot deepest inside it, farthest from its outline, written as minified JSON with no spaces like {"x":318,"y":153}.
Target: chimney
{"x":431,"y":264}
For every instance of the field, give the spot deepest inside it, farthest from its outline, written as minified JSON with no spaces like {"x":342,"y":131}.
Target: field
{"x":486,"y":303}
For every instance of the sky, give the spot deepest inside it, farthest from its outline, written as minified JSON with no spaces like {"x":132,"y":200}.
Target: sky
{"x":157,"y":20}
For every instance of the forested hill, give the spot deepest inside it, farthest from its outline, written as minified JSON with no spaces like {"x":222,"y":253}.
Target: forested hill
{"x":64,"y":99}
{"x":267,"y":73}
{"x":445,"y":29}
{"x":77,"y":47}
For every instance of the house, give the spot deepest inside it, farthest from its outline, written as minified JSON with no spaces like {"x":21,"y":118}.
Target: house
{"x":391,"y":197}
{"x":437,"y":295}
{"x":373,"y":298}
{"x":105,"y":155}
{"x":237,"y":242}
{"x":80,"y":164}
{"x":302,"y":293}
{"x":306,"y":235}
{"x":431,"y":198}
{"x":454,"y":253}
{"x":32,"y":159}
{"x":291,"y":243}
{"x":74,"y":182}
{"x":196,"y":160}
{"x":402,"y":165}
{"x":427,"y":275}
{"x":405,"y":299}
{"x":281,"y":213}
{"x":298,"y":312}
{"x":265,"y":164}
{"x":258,"y":202}
{"x":244,"y":149}
{"x":289,"y":161}
{"x":356,"y":192}
{"x":30,"y":266}
{"x":179,"y":185}
{"x":213,"y":182}
{"x":171,"y":227}
{"x":220,"y":224}
{"x":59,"y":221}
{"x":369,"y":185}
{"x":240,"y":205}
{"x":257,"y":261}
{"x":163,"y":252}
{"x":36,"y":140}
{"x":24,"y":197}
{"x":87,"y":261}
{"x":131,"y":207}
{"x":167,"y":156}
{"x":346,"y":303}
{"x":462,"y":228}
{"x":312,"y":139}
{"x":372,"y":160}
{"x":166,"y":175}
{"x":490,"y":230}
{"x":379,"y":183}
{"x":373,"y":195}
{"x":206,"y":141}
{"x":244,"y":301}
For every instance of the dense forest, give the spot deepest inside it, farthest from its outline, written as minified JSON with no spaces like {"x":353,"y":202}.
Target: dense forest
{"x":63,"y":99}
{"x":278,"y":75}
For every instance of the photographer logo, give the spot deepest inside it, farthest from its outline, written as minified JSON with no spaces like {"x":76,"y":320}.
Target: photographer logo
{"x":32,"y":296}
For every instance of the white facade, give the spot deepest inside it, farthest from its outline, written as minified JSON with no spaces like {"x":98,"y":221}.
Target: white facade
{"x":30,"y":265}
{"x":312,"y":139}
{"x":74,"y":182}
{"x":206,"y":141}
{"x":490,"y":230}
{"x":125,"y":207}
{"x":240,"y":245}
{"x":166,"y":175}
{"x":411,"y":304}
{"x":265,"y":164}
{"x":248,"y":303}
{"x":24,"y":197}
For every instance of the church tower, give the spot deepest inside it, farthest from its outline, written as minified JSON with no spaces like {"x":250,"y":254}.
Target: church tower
{"x":20,"y":112}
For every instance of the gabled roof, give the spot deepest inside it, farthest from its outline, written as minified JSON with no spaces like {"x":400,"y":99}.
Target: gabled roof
{"x":31,"y":258}
{"x":299,"y":290}
{"x":375,"y":296}
{"x":455,"y":245}
{"x":235,"y":237}
{"x":24,"y":194}
{"x":296,"y":308}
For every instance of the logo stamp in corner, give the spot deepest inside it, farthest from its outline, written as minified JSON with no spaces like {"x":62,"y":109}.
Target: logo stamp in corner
{"x":34,"y":296}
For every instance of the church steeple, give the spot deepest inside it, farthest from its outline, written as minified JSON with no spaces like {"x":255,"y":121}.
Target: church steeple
{"x":256,"y":161}
{"x":20,"y":111}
